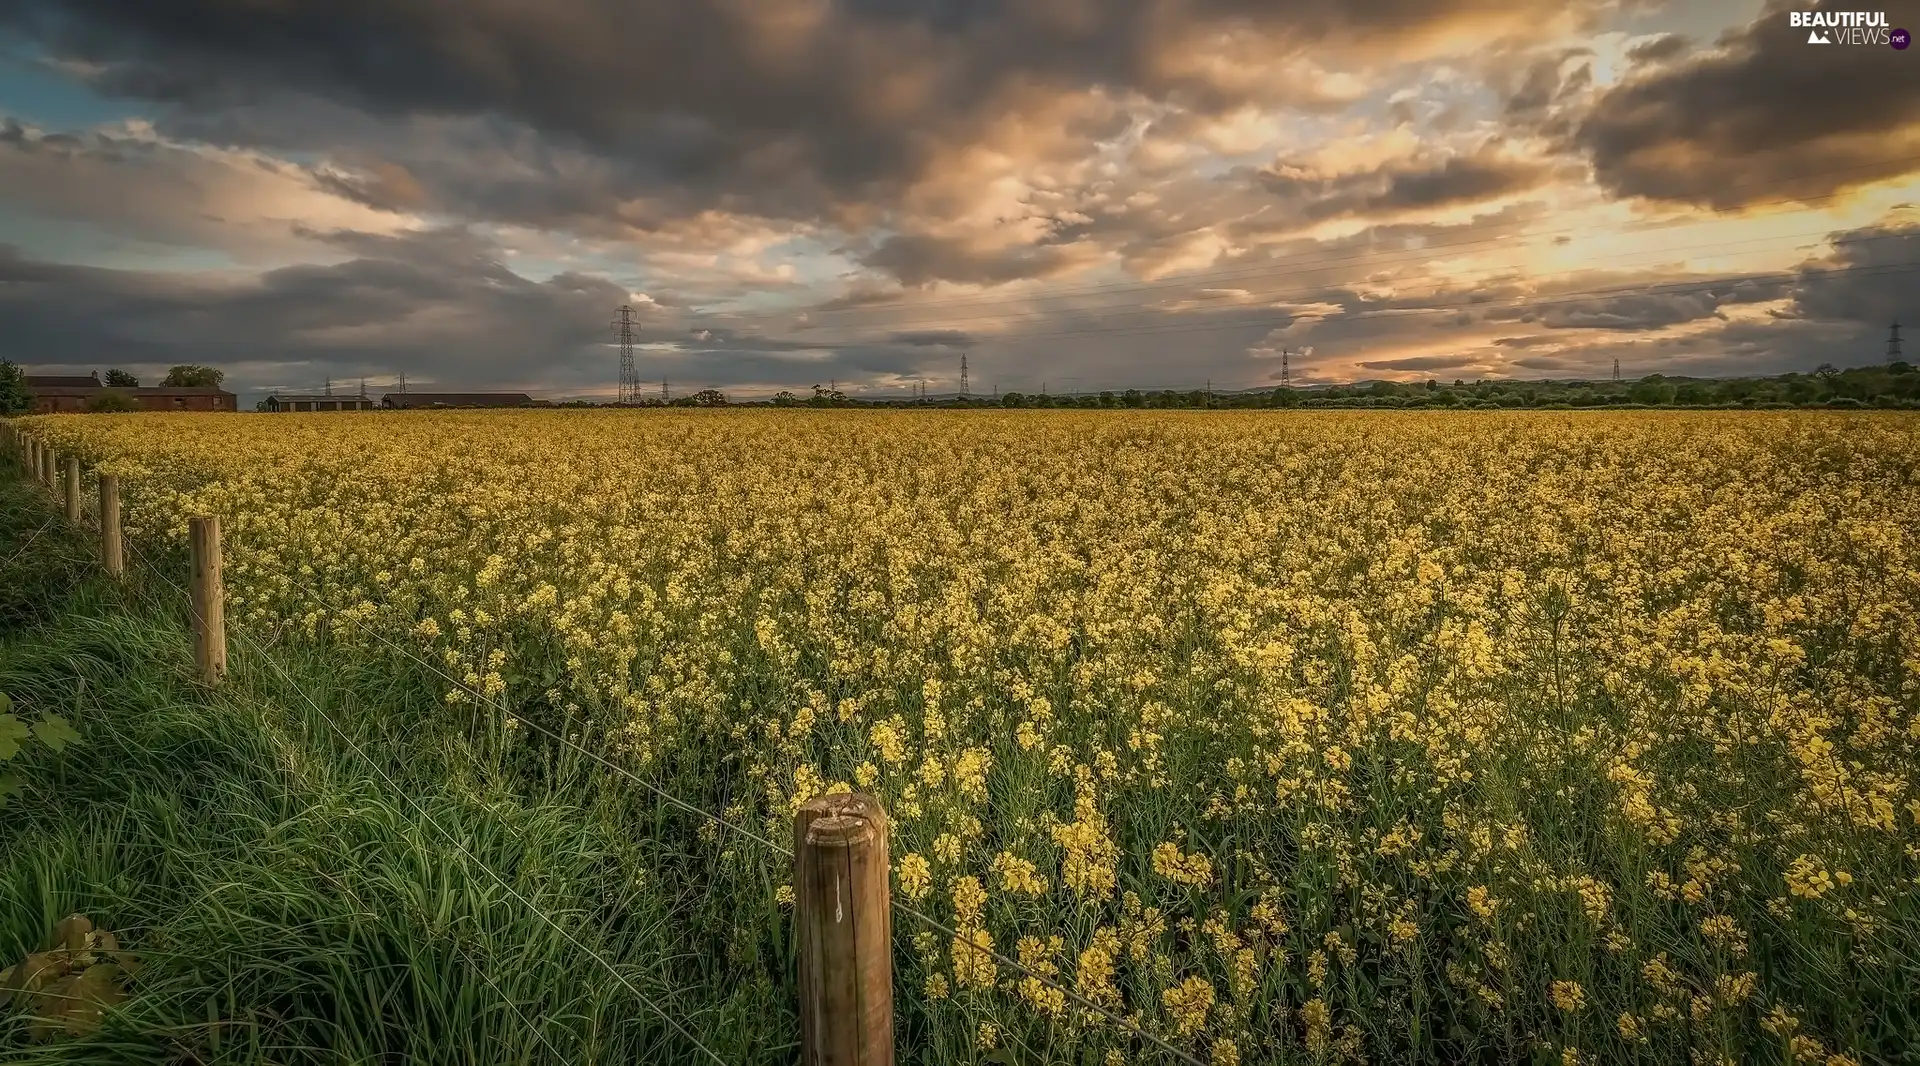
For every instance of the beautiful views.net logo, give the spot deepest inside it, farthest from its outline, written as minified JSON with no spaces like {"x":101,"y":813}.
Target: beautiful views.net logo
{"x":1848,"y":27}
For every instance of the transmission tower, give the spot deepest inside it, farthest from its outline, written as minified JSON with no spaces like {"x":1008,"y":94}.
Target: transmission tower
{"x":403,"y":383}
{"x":1286,"y":371}
{"x":629,"y":377}
{"x":1893,"y":343}
{"x":663,"y":390}
{"x":363,"y":387}
{"x":1616,"y":371}
{"x":329,"y":386}
{"x":963,"y":375}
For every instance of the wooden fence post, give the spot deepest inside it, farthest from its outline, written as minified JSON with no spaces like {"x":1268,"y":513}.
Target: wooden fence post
{"x":209,"y":612}
{"x":73,"y":489}
{"x":110,"y":551}
{"x":49,"y":471}
{"x":843,"y":910}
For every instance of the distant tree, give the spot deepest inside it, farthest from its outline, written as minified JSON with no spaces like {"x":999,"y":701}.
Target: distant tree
{"x":1432,"y":385}
{"x":120,"y":379}
{"x":825,"y":397}
{"x":1650,"y":391}
{"x":1286,"y":398}
{"x":1899,"y":366}
{"x":14,"y":397}
{"x":783,"y":398}
{"x":1693,"y":392}
{"x":1108,"y":399}
{"x":707,"y":398}
{"x":111,"y":402}
{"x":192,"y":377}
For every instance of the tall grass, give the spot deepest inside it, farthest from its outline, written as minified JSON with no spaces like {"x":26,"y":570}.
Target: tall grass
{"x":288,"y":901}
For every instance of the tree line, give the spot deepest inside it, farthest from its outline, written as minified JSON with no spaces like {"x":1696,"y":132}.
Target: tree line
{"x":1891,"y":385}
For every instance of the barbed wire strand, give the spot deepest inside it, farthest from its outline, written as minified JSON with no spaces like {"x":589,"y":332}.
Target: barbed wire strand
{"x":287,"y":677}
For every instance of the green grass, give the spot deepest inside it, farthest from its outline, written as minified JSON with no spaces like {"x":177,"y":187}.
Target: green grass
{"x":301,"y":859}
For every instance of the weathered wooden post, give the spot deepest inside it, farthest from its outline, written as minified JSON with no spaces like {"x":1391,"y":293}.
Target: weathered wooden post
{"x":209,"y":613}
{"x":843,"y":910}
{"x":73,"y":489}
{"x":110,"y":552}
{"x":50,"y":467}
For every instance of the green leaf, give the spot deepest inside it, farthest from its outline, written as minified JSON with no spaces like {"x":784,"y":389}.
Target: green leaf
{"x":12,"y":732}
{"x":10,"y":785}
{"x":54,"y":732}
{"x":6,"y":703}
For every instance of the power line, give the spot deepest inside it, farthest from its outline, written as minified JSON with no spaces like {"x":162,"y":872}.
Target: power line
{"x":1259,"y":270}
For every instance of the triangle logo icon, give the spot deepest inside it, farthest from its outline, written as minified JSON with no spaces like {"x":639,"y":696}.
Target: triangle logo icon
{"x":1816,"y":37}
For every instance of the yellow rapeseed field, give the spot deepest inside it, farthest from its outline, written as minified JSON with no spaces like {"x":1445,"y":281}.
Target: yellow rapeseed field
{"x":1338,"y":736}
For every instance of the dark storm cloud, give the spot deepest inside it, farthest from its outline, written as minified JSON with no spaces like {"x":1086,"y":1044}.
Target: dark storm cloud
{"x":1868,"y":278}
{"x":438,"y":309}
{"x":1669,"y":301}
{"x":1763,"y":118}
{"x":439,"y":305}
{"x":1405,"y":186}
{"x":918,"y":259}
{"x":1421,"y":362}
{"x":1659,"y":49}
{"x":927,"y":338}
{"x":805,"y":105}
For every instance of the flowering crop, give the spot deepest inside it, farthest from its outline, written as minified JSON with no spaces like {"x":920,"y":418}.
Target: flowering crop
{"x":1344,"y":735}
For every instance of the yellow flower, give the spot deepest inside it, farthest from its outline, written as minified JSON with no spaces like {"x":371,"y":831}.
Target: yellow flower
{"x":1187,"y":869}
{"x":914,"y":875}
{"x":1188,"y":1002}
{"x":1568,"y":995}
{"x":969,"y":901}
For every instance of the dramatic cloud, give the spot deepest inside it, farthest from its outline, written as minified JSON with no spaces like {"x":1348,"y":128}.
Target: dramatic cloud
{"x":1759,"y":119}
{"x":1869,"y":277}
{"x":803,"y":105}
{"x":1420,"y":362}
{"x":436,"y":306}
{"x":149,"y":189}
{"x":1071,"y":193}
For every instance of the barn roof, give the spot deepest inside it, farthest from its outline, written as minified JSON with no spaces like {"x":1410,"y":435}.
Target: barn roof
{"x":94,"y":390}
{"x":63,"y":381}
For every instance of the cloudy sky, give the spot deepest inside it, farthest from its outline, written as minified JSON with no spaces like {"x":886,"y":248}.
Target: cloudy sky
{"x":1078,"y":194}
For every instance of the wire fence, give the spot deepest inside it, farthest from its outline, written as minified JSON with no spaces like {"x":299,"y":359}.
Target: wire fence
{"x":257,"y":650}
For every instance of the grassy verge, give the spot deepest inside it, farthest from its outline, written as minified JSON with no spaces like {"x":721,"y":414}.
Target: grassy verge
{"x":310,"y":869}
